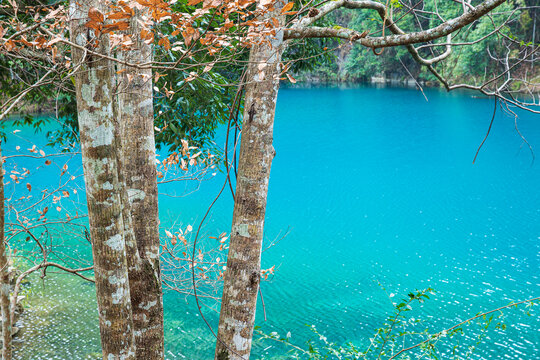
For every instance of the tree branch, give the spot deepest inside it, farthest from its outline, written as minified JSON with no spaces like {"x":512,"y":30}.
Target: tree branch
{"x":444,"y":332}
{"x":301,"y":31}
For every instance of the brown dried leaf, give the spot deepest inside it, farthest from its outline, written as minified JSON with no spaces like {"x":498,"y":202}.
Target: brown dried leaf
{"x":188,"y":35}
{"x":164,"y":41}
{"x":94,"y":25}
{"x":144,"y":3}
{"x":244,"y":3}
{"x":10,"y":45}
{"x":25,"y":42}
{"x":147,"y":35}
{"x":208,"y":67}
{"x":119,"y":15}
{"x":95,"y":15}
{"x":117,"y":26}
{"x":287,"y":7}
{"x":291,"y":79}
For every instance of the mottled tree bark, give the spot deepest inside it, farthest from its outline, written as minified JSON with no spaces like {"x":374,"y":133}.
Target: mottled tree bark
{"x":94,"y":85}
{"x":4,"y":275}
{"x":140,"y":175}
{"x":241,"y":283}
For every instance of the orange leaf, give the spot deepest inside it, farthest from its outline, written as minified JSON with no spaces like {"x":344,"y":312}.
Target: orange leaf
{"x":121,"y":25}
{"x":119,"y":15}
{"x":188,"y":35}
{"x":95,"y":15}
{"x":291,"y":79}
{"x":26,"y":42}
{"x":144,"y":3}
{"x":164,"y":41}
{"x":126,"y":8}
{"x":93,"y":25}
{"x":10,"y":45}
{"x":287,"y":7}
{"x":147,"y":35}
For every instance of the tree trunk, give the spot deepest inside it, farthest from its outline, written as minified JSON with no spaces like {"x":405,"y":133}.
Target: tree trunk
{"x":140,"y":176}
{"x":4,"y":275}
{"x":241,"y":283}
{"x":94,"y":86}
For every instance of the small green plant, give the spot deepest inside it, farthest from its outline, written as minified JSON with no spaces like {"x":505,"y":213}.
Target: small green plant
{"x":388,"y":342}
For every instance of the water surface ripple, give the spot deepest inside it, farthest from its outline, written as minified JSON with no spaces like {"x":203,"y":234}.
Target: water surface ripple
{"x":378,"y":186}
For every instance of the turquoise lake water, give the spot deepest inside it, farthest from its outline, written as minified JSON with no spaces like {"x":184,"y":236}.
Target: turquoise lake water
{"x":376,"y":185}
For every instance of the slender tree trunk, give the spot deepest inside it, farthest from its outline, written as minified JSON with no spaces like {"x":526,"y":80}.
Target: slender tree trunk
{"x":4,"y":275}
{"x":241,"y":283}
{"x":140,"y":176}
{"x":94,"y":86}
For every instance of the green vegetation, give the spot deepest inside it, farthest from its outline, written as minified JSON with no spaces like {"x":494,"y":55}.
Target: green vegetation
{"x":471,"y":63}
{"x":405,"y":337}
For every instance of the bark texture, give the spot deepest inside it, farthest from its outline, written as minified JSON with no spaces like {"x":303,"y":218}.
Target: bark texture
{"x":4,"y":275}
{"x":94,"y":85}
{"x":241,"y":283}
{"x":140,"y":175}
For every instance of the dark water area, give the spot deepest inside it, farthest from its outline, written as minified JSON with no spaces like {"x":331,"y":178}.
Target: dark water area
{"x":377,"y":187}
